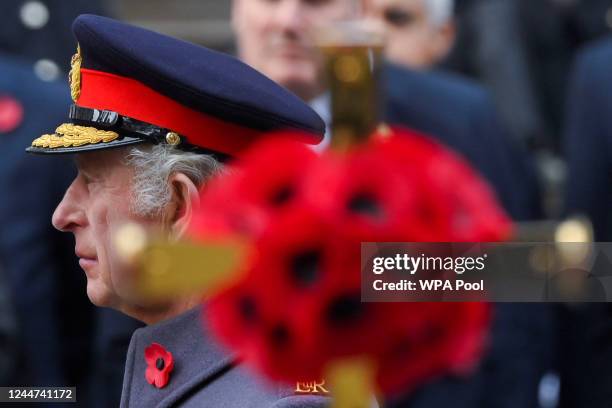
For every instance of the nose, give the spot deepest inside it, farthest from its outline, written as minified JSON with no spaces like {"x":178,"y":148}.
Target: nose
{"x":69,"y":213}
{"x":290,"y":15}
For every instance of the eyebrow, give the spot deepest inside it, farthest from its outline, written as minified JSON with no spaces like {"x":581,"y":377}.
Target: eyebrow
{"x":80,"y":168}
{"x":78,"y":162}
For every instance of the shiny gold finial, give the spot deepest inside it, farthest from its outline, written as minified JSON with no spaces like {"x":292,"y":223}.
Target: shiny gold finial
{"x":352,"y":51}
{"x":348,"y":69}
{"x":74,"y":77}
{"x":173,"y":139}
{"x":352,"y":383}
{"x":383,"y":130}
{"x":574,"y":238}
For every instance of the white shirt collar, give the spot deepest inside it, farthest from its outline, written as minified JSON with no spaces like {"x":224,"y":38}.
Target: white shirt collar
{"x":321,"y":105}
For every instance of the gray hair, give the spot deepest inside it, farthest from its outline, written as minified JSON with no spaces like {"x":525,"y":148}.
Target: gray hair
{"x":154,"y":164}
{"x":439,"y":11}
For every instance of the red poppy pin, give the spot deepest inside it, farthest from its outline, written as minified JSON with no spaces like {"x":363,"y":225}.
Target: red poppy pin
{"x":159,"y":365}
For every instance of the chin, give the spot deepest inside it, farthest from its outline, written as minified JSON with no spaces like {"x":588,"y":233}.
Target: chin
{"x":295,"y":76}
{"x":99,"y":295}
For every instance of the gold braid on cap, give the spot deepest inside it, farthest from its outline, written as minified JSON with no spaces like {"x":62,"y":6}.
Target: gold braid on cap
{"x":74,"y":76}
{"x":69,"y":135}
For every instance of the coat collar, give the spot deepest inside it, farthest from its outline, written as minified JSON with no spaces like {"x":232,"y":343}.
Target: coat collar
{"x":197,"y":360}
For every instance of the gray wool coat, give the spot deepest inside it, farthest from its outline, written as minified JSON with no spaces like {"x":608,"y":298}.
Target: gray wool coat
{"x":204,"y":374}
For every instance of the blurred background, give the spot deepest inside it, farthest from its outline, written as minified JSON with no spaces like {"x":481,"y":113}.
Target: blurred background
{"x":544,"y":63}
{"x":522,"y":51}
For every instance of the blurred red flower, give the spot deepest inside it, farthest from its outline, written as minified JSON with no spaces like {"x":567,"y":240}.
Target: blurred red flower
{"x":297,"y":305}
{"x":263,"y":182}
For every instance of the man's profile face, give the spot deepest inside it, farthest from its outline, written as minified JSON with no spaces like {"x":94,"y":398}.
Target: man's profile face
{"x":275,"y":37}
{"x":95,"y":205}
{"x":413,"y":39}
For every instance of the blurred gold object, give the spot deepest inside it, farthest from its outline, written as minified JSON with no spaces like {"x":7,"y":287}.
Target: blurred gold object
{"x":349,"y":69}
{"x":166,"y":270}
{"x":573,"y":229}
{"x":542,"y":259}
{"x":573,"y":238}
{"x":567,"y":259}
{"x":353,"y":58}
{"x":171,"y":270}
{"x":130,"y":242}
{"x":352,"y":383}
{"x":353,"y":61}
{"x":576,"y":229}
{"x":383,"y":130}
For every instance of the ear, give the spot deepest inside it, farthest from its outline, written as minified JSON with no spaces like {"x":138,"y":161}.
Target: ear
{"x":185,"y":200}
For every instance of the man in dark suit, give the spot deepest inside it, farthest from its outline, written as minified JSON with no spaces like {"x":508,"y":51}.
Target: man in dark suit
{"x":588,"y":139}
{"x":274,"y":37}
{"x":152,"y":117}
{"x":460,"y":114}
{"x":523,"y":51}
{"x":586,"y":329}
{"x":42,"y":277}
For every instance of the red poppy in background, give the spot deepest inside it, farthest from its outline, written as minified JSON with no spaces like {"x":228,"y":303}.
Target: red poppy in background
{"x":297,"y":306}
{"x":159,"y":365}
{"x":455,"y":203}
{"x":449,"y":337}
{"x":362,"y":194}
{"x":262,"y":182}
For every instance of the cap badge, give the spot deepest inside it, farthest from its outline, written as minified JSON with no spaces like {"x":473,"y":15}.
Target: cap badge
{"x":173,"y":139}
{"x":74,"y":77}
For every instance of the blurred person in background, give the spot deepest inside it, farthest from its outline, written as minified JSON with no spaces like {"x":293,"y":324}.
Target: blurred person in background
{"x":420,"y":33}
{"x":491,"y":47}
{"x":586,"y":351}
{"x":62,"y":340}
{"x":274,"y":37}
{"x":588,"y":139}
{"x":29,"y":248}
{"x":523,"y":51}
